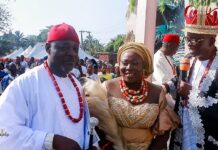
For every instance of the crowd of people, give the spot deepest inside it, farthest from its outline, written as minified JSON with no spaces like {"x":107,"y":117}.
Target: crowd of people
{"x":91,"y":68}
{"x":141,"y":103}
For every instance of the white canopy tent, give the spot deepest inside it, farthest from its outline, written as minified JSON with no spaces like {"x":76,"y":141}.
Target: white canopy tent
{"x":39,"y":52}
{"x":14,"y":54}
{"x":38,"y":48}
{"x":26,"y":51}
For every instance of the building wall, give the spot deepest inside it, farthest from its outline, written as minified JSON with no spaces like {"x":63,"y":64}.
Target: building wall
{"x":131,"y":23}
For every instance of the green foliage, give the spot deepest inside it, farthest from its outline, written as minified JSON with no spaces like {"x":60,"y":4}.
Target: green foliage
{"x":5,"y":47}
{"x":114,"y":44}
{"x":19,"y":38}
{"x":198,"y":3}
{"x":43,"y":34}
{"x":132,"y":5}
{"x":7,"y":43}
{"x":10,"y":41}
{"x":30,"y":40}
{"x":162,"y":6}
{"x":92,"y":45}
{"x":4,"y":18}
{"x":175,"y":3}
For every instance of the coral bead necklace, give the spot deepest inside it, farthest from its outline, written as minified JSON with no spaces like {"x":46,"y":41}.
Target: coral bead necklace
{"x":134,"y":96}
{"x":65,"y":107}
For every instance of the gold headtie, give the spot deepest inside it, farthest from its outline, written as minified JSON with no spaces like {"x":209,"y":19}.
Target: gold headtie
{"x":143,"y":52}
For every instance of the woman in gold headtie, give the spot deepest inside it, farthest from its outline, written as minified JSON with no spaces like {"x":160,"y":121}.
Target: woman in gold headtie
{"x":139,"y":107}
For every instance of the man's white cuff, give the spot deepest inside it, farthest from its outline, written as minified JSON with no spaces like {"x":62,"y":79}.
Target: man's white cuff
{"x":48,"y":142}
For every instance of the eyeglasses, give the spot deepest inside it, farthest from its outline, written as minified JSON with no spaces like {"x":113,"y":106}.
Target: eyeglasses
{"x":193,"y":41}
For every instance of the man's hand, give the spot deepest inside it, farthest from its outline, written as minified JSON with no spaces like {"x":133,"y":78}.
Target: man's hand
{"x":64,"y":143}
{"x":184,"y":89}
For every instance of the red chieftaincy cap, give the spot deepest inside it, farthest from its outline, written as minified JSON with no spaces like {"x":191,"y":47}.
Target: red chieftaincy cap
{"x":171,"y":38}
{"x":62,"y":32}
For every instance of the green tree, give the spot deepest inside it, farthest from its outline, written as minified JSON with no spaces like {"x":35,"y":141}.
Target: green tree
{"x":30,"y":40}
{"x":43,"y":34}
{"x":92,"y":45}
{"x":114,"y":44}
{"x":4,"y":18}
{"x":7,"y":43}
{"x":5,"y":47}
{"x":10,"y":41}
{"x":19,"y":38}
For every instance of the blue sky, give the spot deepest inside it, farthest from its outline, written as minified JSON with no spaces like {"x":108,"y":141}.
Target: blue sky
{"x":104,"y":18}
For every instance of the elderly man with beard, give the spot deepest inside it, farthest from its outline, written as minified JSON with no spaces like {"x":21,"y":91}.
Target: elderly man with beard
{"x":45,"y":108}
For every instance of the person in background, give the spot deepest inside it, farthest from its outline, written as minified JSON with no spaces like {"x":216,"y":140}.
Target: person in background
{"x":100,"y":63}
{"x":164,"y":68}
{"x":31,"y":63}
{"x":44,"y":108}
{"x":6,"y":69}
{"x":110,"y":70}
{"x":81,"y":67}
{"x":96,"y":69}
{"x":23,"y":63}
{"x":117,"y":70}
{"x":95,"y":65}
{"x":103,"y":75}
{"x":90,"y":72}
{"x":85,"y":60}
{"x":88,"y":61}
{"x":2,"y":71}
{"x":20,"y":68}
{"x":10,"y":77}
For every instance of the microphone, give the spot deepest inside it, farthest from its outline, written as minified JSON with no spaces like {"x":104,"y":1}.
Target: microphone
{"x":93,"y":122}
{"x":184,"y":68}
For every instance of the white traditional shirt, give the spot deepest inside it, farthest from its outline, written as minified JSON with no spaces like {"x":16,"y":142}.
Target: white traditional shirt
{"x":163,"y":71}
{"x":30,"y":108}
{"x":189,"y":136}
{"x":24,"y":64}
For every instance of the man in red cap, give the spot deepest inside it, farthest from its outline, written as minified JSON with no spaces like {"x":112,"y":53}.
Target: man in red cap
{"x":45,"y":108}
{"x":164,"y":68}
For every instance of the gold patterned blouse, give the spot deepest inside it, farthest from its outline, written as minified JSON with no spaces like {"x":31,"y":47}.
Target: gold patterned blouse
{"x":133,"y":116}
{"x":140,"y":123}
{"x":127,"y":126}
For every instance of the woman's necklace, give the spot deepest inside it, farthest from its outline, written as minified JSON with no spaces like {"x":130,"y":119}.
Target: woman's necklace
{"x":134,"y":96}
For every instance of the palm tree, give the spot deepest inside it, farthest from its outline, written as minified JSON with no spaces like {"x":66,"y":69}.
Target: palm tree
{"x":18,"y":38}
{"x":91,"y":45}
